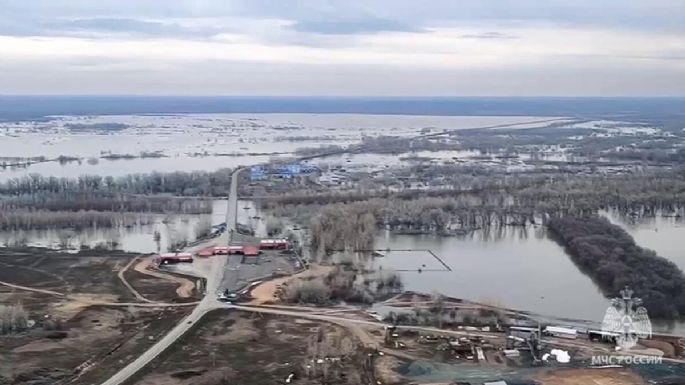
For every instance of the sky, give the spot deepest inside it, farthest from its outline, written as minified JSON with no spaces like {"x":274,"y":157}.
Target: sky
{"x":343,"y":48}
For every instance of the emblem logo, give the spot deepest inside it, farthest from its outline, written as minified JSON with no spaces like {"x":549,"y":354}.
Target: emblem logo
{"x":627,"y":320}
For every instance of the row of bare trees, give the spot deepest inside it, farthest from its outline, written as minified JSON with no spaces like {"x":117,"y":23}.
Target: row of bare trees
{"x":26,"y":219}
{"x":329,"y":357}
{"x":196,"y":183}
{"x":92,"y":201}
{"x":108,"y":202}
{"x":340,"y":221}
{"x":343,"y":227}
{"x":13,"y":318}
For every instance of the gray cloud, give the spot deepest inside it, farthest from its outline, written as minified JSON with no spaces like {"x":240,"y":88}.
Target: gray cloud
{"x":99,"y":27}
{"x":124,"y":26}
{"x":288,"y":29}
{"x":369,"y":25}
{"x":352,"y":17}
{"x":488,"y":35}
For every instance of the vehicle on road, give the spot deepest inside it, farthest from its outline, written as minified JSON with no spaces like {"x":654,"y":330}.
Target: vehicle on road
{"x":228,"y":296}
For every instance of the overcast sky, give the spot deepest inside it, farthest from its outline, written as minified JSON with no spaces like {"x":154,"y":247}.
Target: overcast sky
{"x":365,"y":48}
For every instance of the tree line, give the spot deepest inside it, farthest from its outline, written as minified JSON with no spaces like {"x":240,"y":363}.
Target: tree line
{"x":487,"y":201}
{"x":107,"y":202}
{"x":196,"y":183}
{"x":609,"y":255}
{"x":27,"y":219}
{"x":39,"y":202}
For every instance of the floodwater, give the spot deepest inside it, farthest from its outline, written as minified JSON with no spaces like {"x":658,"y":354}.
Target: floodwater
{"x":122,"y":167}
{"x":206,"y":142}
{"x":249,"y":215}
{"x":519,"y":269}
{"x":661,"y":234}
{"x":138,"y":238}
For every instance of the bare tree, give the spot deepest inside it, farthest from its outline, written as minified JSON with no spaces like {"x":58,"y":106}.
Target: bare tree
{"x":13,"y":318}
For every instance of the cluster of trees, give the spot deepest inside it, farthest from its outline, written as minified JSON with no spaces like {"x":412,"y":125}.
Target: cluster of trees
{"x":13,"y":318}
{"x":203,"y":227}
{"x":480,"y":202}
{"x":343,"y":227}
{"x":38,"y":202}
{"x":313,"y":291}
{"x":274,"y":226}
{"x":327,"y":356}
{"x":316,"y":151}
{"x":177,"y":240}
{"x":447,"y":315}
{"x":107,"y":202}
{"x":20,"y":162}
{"x":611,"y":258}
{"x":196,"y":183}
{"x":96,"y":127}
{"x":27,"y":219}
{"x":650,"y":155}
{"x":343,"y":284}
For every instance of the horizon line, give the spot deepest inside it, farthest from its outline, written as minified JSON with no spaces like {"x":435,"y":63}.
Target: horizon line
{"x":347,"y":96}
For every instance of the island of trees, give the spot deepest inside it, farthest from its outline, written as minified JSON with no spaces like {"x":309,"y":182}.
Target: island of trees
{"x":609,"y":255}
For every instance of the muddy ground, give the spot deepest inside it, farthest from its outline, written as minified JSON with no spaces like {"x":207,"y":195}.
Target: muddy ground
{"x":605,"y":376}
{"x":232,"y":347}
{"x":91,"y":271}
{"x":158,"y":285}
{"x":73,"y":341}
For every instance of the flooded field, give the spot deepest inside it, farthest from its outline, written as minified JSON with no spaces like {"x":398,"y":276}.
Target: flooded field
{"x":659,"y":233}
{"x":122,"y":167}
{"x":521,"y":269}
{"x":120,"y":145}
{"x":138,"y":238}
{"x":518,"y":269}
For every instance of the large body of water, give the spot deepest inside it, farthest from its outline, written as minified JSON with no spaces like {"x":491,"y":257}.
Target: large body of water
{"x":519,"y":269}
{"x":203,"y":142}
{"x":661,"y":234}
{"x":35,"y":107}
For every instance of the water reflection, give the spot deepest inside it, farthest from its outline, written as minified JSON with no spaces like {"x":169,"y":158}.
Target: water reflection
{"x":155,"y":233}
{"x":505,"y":265}
{"x":661,"y":232}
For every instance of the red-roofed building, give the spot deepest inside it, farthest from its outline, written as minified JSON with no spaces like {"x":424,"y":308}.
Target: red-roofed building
{"x":250,"y":251}
{"x":171,"y":258}
{"x":206,"y":252}
{"x":273,"y":244}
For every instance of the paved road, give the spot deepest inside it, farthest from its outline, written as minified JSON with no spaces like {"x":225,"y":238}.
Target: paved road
{"x":209,"y":302}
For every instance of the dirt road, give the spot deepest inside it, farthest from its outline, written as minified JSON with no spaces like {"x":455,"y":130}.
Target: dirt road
{"x":266,"y":291}
{"x":185,"y":286}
